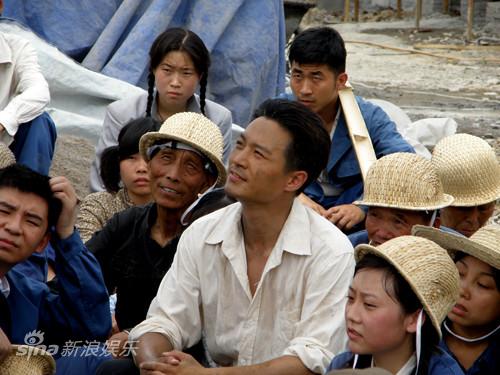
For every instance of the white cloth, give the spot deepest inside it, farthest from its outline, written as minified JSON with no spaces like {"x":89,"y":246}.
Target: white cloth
{"x":4,"y":286}
{"x":297,"y":309}
{"x":24,"y":92}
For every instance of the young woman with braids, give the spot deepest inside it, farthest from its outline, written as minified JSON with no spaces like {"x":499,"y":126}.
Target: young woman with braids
{"x":179,"y":62}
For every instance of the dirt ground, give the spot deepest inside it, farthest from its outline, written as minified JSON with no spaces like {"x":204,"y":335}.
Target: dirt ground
{"x":465,"y":86}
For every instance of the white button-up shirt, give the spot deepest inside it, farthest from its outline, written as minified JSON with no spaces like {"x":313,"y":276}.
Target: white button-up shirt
{"x":298,"y":306}
{"x":24,"y":92}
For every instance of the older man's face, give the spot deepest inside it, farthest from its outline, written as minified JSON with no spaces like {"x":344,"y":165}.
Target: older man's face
{"x":467,"y":220}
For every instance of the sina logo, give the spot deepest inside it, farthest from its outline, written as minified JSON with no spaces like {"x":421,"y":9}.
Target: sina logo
{"x":33,"y":338}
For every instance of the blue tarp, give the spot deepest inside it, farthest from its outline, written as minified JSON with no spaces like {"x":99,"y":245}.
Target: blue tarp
{"x":246,"y":39}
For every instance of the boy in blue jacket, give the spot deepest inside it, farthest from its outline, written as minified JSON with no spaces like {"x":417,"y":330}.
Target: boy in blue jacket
{"x":36,"y":209}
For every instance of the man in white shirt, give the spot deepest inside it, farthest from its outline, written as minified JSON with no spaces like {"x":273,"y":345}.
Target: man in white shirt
{"x":24,"y":94}
{"x":264,"y":279}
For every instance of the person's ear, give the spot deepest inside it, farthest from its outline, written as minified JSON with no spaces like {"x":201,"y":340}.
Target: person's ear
{"x":342,"y":80}
{"x":437,"y":222}
{"x":43,"y":243}
{"x":411,"y":321}
{"x":296,"y":180}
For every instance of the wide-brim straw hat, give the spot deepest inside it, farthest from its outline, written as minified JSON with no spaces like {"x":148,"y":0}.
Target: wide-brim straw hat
{"x":6,"y":156}
{"x":194,"y":130}
{"x":404,"y":181}
{"x":468,"y":168}
{"x":483,"y":245}
{"x":427,"y":268}
{"x":39,"y":362}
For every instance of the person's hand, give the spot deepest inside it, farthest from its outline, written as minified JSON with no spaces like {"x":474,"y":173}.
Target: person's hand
{"x":118,"y":340}
{"x":64,"y":191}
{"x":5,"y":346}
{"x":345,"y":216}
{"x":114,"y":325}
{"x":306,"y":201}
{"x":173,"y":362}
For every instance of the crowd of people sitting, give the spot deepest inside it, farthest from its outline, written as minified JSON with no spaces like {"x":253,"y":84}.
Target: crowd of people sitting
{"x":197,"y":253}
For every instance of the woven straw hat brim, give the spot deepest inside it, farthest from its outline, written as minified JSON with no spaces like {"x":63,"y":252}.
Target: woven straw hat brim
{"x":361,"y":250}
{"x":445,"y":202}
{"x":148,"y":139}
{"x":39,"y":363}
{"x":404,"y":181}
{"x":476,"y":199}
{"x":483,"y":245}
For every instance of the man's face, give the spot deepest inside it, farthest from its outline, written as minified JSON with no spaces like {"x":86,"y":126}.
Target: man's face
{"x":383,"y":224}
{"x":177,"y":177}
{"x":316,"y":86}
{"x":467,"y":220}
{"x":23,"y":225}
{"x":257,"y":168}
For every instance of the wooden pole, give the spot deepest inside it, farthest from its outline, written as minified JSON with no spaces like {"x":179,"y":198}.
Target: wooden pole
{"x":356,"y":10}
{"x":398,"y":9}
{"x":470,"y":19}
{"x":418,"y":14}
{"x":446,"y":6}
{"x":347,"y":10}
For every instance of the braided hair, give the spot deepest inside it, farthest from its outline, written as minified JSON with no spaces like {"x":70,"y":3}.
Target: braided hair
{"x":182,"y":40}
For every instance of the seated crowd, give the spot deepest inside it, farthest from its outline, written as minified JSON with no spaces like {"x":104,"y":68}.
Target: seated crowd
{"x":270,"y":257}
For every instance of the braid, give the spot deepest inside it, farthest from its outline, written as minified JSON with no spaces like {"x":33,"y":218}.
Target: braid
{"x":203,"y":89}
{"x":151,"y":86}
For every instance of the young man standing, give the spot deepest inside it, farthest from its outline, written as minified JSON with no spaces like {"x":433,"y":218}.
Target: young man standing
{"x":264,"y":279}
{"x":317,"y":60}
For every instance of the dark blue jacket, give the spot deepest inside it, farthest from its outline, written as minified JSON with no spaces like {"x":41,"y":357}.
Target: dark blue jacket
{"x":78,"y":310}
{"x":440,"y":363}
{"x":489,"y":360}
{"x":343,"y":168}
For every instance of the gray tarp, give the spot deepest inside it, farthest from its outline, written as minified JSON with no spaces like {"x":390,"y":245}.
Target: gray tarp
{"x":246,"y":39}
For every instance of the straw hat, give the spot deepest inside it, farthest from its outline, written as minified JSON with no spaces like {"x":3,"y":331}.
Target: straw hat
{"x":483,"y":245}
{"x":194,"y":130}
{"x":404,"y":181}
{"x":6,"y":156}
{"x":39,"y":362}
{"x":468,"y":168}
{"x":427,"y":268}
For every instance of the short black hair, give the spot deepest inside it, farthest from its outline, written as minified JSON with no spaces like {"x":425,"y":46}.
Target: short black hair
{"x":319,"y":45}
{"x":26,"y":180}
{"x":310,"y":146}
{"x":128,"y":144}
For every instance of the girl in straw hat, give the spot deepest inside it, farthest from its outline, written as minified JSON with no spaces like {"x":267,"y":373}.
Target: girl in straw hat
{"x":178,"y":66}
{"x":401,"y":292}
{"x":472,"y":330}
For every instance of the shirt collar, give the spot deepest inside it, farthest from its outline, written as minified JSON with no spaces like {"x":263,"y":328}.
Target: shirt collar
{"x":294,"y":237}
{"x":4,"y":286}
{"x":5,"y":52}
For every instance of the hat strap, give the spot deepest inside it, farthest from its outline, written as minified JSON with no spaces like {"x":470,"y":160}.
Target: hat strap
{"x":465,"y":339}
{"x":193,"y":205}
{"x":355,"y":362}
{"x":419,"y":338}
{"x":433,"y":218}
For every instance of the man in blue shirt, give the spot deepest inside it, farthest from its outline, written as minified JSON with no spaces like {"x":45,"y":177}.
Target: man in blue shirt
{"x":317,"y":62}
{"x":36,"y":209}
